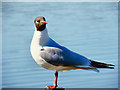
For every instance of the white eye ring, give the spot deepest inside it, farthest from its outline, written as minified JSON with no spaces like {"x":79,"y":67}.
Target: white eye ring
{"x":37,"y":22}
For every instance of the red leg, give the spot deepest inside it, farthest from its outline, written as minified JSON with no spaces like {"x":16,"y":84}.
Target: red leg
{"x":55,"y":81}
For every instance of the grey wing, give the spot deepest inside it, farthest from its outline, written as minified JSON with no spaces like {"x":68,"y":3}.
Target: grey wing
{"x":63,"y":57}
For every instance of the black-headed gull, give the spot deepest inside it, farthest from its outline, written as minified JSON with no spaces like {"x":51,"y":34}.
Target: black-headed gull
{"x":50,"y":55}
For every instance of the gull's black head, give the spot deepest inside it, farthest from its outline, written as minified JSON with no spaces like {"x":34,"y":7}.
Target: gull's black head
{"x":40,"y":23}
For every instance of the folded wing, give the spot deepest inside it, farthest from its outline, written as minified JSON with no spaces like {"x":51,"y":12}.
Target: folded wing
{"x":63,"y":57}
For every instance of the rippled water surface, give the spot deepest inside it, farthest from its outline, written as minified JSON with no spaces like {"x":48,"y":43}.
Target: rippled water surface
{"x":89,"y":28}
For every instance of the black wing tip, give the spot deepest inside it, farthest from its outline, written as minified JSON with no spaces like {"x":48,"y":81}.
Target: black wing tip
{"x":101,"y":65}
{"x":110,"y":67}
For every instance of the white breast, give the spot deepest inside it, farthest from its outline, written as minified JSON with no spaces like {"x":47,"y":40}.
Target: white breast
{"x":39,"y":39}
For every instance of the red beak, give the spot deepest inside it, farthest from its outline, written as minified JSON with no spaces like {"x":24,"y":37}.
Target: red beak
{"x":44,"y":22}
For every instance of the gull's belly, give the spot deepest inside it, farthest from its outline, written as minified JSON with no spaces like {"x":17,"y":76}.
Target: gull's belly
{"x":40,"y":61}
{"x":49,"y":66}
{"x":35,"y":52}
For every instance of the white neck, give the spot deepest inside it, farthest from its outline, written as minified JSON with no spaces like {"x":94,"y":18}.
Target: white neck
{"x":40,"y":37}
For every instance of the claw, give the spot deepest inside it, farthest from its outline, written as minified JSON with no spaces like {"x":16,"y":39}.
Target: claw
{"x":50,"y":87}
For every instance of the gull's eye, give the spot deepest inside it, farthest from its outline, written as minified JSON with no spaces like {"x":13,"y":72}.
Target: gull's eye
{"x":38,"y":20}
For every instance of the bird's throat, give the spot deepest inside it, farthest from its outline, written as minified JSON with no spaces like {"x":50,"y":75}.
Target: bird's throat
{"x":41,"y":37}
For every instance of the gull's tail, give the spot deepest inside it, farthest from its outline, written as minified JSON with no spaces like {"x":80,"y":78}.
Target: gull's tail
{"x":101,"y":65}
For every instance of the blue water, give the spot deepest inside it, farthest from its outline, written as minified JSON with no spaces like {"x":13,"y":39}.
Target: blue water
{"x":89,"y":28}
